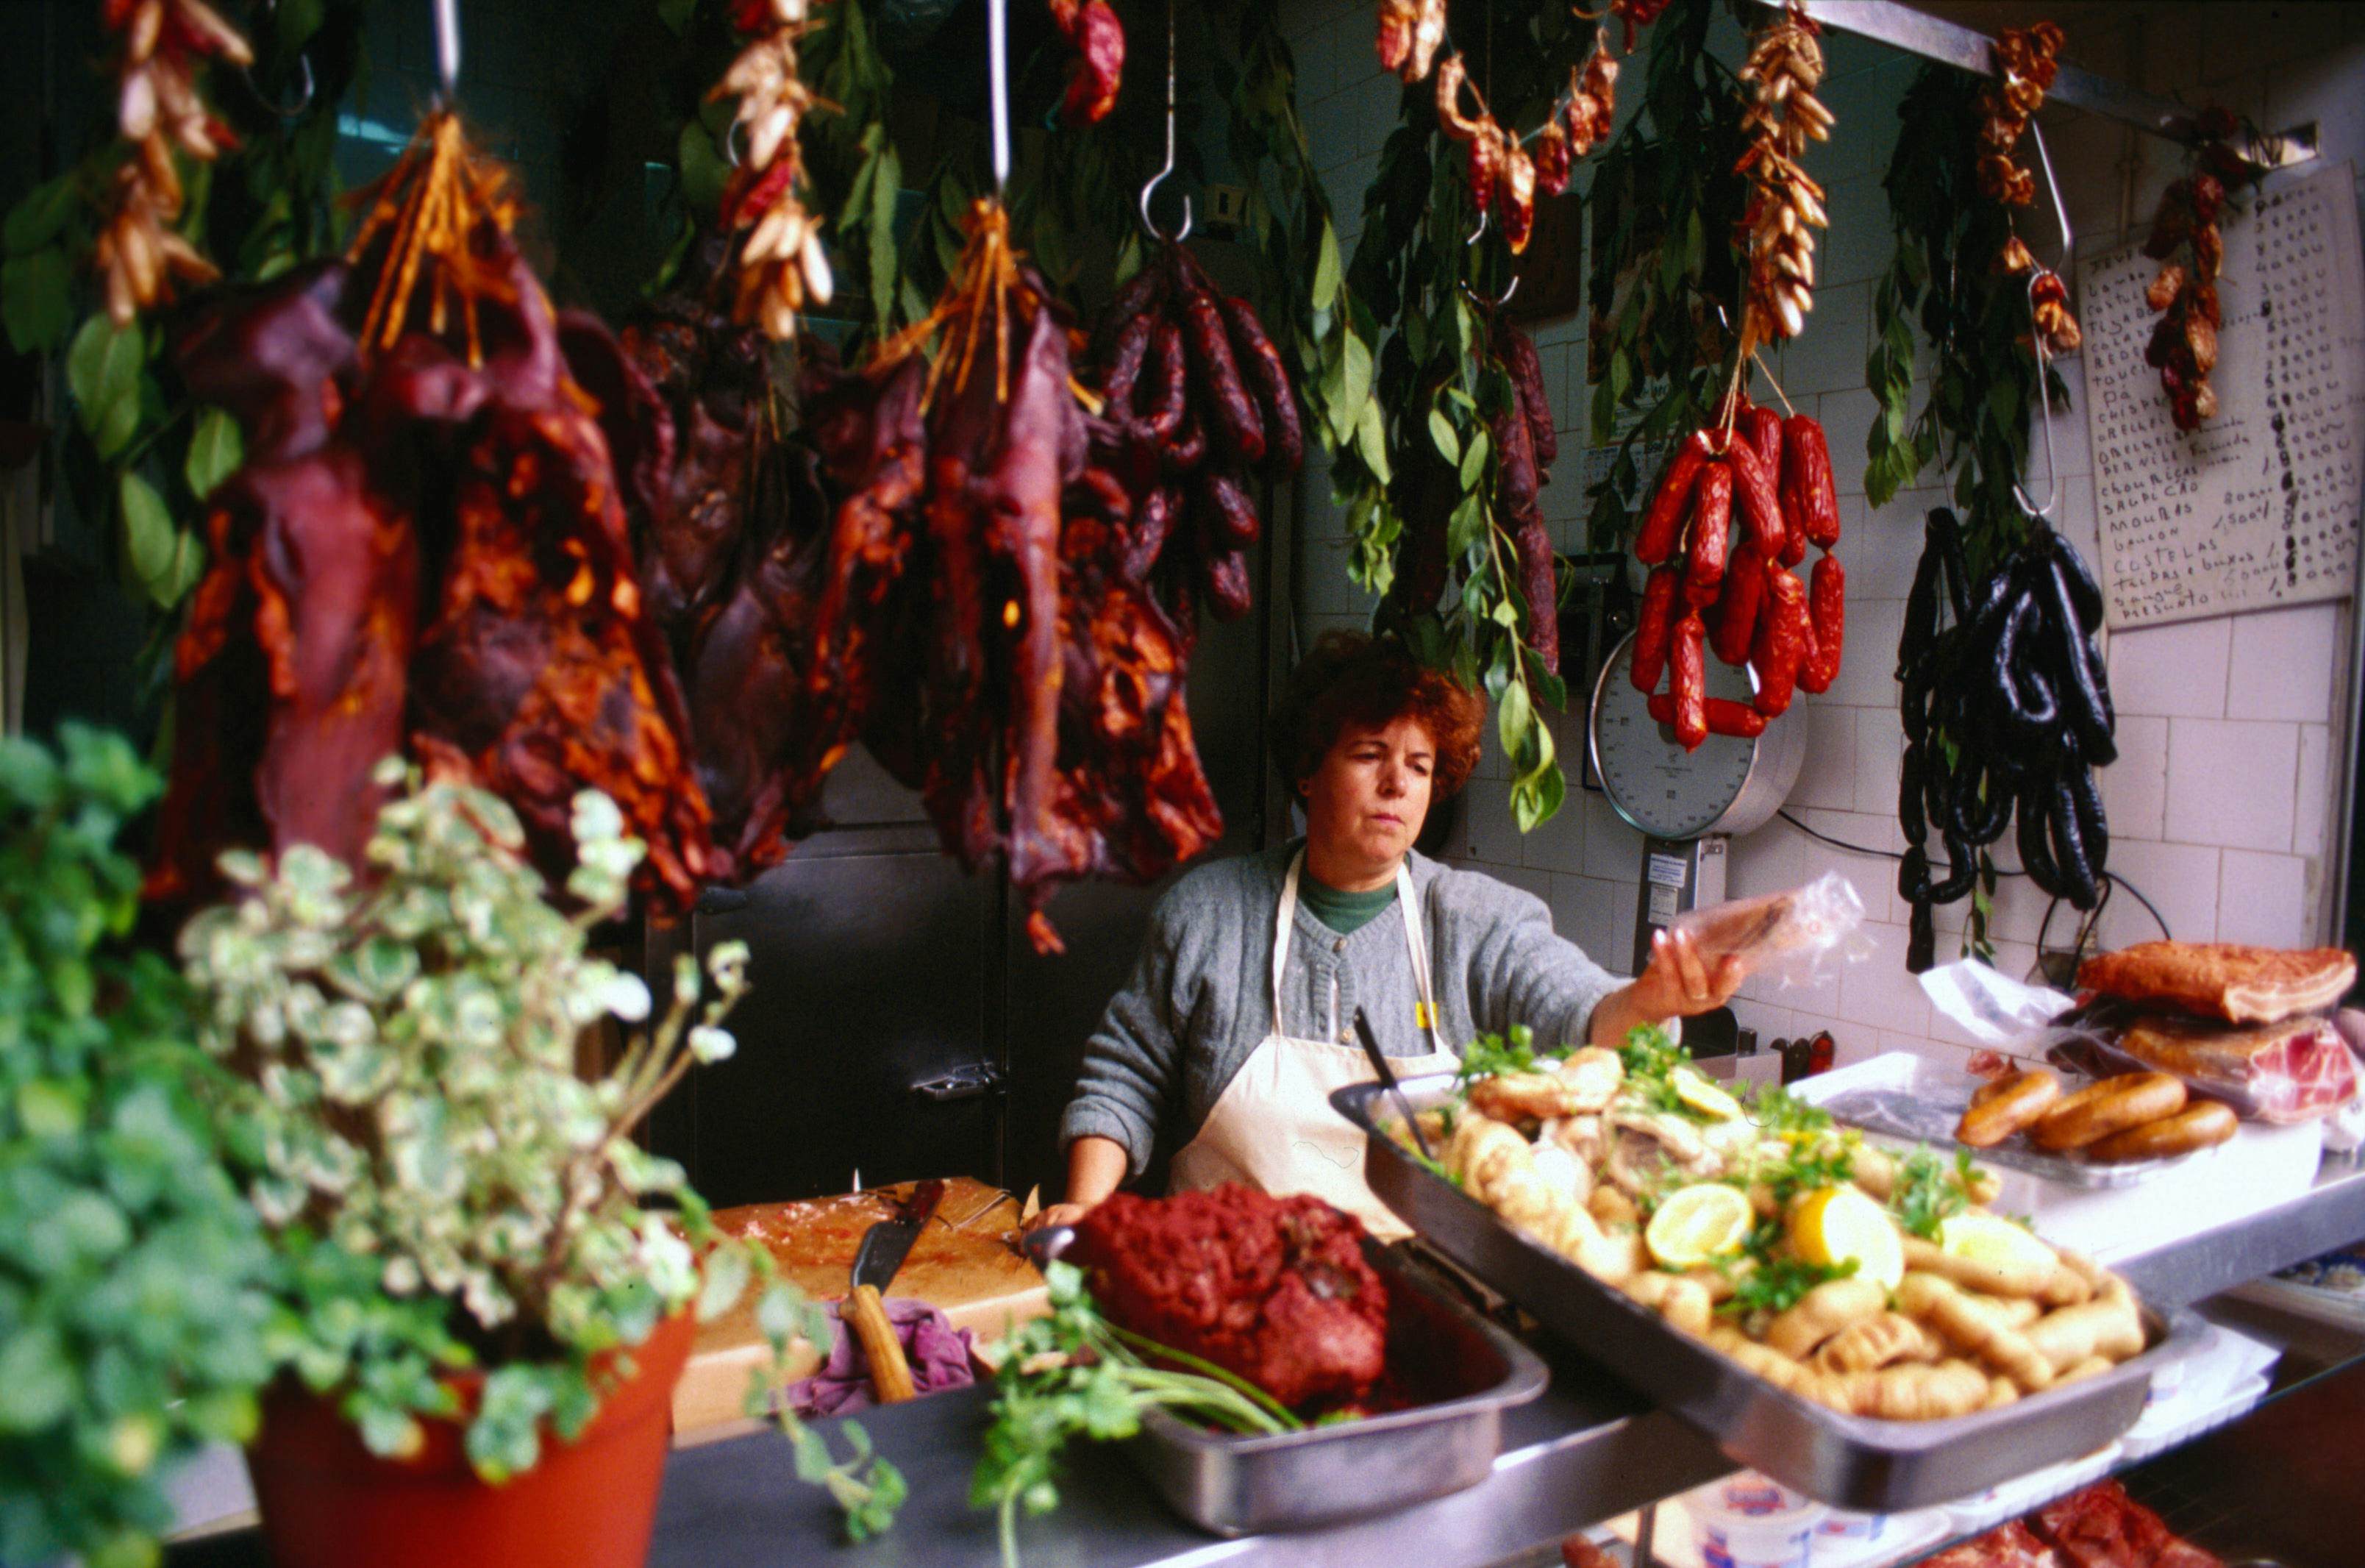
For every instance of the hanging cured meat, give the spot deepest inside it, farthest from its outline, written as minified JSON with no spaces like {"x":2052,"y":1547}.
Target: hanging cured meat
{"x":1197,"y":393}
{"x":991,"y":614}
{"x":428,"y":545}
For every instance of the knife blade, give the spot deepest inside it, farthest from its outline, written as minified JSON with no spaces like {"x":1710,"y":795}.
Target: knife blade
{"x":889,"y":1241}
{"x":884,"y":1247}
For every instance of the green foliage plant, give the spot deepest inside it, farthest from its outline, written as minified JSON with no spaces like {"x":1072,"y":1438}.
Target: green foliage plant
{"x":133,"y":1305}
{"x":442,"y":1186}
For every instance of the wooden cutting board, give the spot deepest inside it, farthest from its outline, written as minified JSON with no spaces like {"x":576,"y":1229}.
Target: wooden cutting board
{"x":962,"y":1264}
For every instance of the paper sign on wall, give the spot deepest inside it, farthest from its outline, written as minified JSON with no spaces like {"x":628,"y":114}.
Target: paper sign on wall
{"x":2260,"y":506}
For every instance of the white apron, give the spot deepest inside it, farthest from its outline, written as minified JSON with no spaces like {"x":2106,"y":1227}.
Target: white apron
{"x":1274,"y":1126}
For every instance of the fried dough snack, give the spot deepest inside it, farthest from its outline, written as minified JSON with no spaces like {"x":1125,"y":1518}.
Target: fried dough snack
{"x":1957,"y":1333}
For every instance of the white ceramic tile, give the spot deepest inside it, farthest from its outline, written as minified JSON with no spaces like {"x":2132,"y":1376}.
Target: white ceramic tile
{"x":1829,"y":355}
{"x":2232,"y":782}
{"x":2181,"y":879}
{"x":2173,"y":671}
{"x":2070,"y":448}
{"x":1881,"y":549}
{"x":1847,"y":417}
{"x":1613,"y":849}
{"x":2264,"y":899}
{"x":2284,"y":664}
{"x":2310,"y":818}
{"x":1868,"y":676}
{"x":1772,"y":1023}
{"x":1856,"y":247}
{"x":1377,"y":105}
{"x":1827,"y":777}
{"x":2135,"y":788}
{"x":1878,"y":991}
{"x":1492,"y":839}
{"x":1584,"y":910}
{"x":1557,"y":844}
{"x":1879,"y":755}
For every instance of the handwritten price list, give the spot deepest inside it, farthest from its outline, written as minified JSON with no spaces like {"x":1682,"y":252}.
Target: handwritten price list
{"x":2260,"y":506}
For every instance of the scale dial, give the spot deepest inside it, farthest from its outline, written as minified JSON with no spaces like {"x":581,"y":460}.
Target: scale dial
{"x":1729,"y":785}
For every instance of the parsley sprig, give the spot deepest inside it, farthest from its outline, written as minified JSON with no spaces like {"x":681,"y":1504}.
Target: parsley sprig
{"x":868,"y":1489}
{"x":1930,"y":1190}
{"x":1074,"y":1374}
{"x":1774,"y":1109}
{"x":1489,"y":1056}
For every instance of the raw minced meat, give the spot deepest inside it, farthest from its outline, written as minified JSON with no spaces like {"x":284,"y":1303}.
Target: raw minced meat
{"x":1276,"y":1289}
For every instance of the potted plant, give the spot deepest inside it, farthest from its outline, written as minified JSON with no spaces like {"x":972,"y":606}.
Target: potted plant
{"x":133,"y":1306}
{"x":486,"y":1280}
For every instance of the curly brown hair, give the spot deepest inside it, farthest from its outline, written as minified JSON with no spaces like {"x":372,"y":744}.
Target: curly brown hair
{"x":1350,"y":679}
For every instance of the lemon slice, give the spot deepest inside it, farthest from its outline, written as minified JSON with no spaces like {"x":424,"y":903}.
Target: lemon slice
{"x":1988,"y":1238}
{"x":1700,"y":1223}
{"x":1837,"y":1224}
{"x":1694,"y":1089}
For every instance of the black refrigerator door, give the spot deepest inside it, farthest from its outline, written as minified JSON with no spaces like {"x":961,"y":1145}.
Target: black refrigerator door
{"x":870,"y":959}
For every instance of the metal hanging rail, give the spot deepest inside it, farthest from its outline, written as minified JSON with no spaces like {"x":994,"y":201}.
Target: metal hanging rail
{"x":1933,"y":38}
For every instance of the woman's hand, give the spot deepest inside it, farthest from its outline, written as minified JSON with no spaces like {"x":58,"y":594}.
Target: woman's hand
{"x":1095,"y":1166}
{"x":1676,"y":983}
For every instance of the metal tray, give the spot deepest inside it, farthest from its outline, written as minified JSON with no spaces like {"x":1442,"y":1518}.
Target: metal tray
{"x":1468,"y":1372}
{"x":1851,"y":1462}
{"x":1919,"y":1115}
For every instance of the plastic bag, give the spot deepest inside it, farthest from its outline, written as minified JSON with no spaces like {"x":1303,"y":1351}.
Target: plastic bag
{"x":1993,"y":1008}
{"x":1792,"y":938}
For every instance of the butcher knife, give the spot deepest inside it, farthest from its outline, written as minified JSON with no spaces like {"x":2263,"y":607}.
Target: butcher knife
{"x":884,"y":1247}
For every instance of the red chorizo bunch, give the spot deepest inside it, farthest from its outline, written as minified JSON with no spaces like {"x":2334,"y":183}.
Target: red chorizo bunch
{"x":2185,"y":241}
{"x":2024,"y":71}
{"x":1501,"y":173}
{"x":1725,"y":584}
{"x":1095,"y":72}
{"x":1275,"y":1290}
{"x":1193,"y":379}
{"x":426,"y":552}
{"x":1410,"y":32}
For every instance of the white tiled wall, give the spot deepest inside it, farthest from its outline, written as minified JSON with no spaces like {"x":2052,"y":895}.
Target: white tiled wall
{"x":2231,"y":731}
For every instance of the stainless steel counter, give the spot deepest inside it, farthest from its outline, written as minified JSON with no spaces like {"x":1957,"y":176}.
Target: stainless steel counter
{"x":1587,"y":1449}
{"x":2330,"y":1213}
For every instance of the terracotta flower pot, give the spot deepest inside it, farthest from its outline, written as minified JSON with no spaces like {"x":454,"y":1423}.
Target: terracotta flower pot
{"x":328,"y":1502}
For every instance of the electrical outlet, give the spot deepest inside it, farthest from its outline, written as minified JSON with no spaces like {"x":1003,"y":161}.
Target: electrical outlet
{"x":1227,"y":206}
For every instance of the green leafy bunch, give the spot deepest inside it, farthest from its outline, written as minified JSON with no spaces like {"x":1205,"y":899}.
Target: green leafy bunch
{"x":1931,"y":1189}
{"x":1974,"y":422}
{"x":1075,"y":1375}
{"x":1487,"y":1055}
{"x":445,"y":1187}
{"x":1665,"y":278}
{"x":1426,"y":460}
{"x":132,"y":1275}
{"x":1767,"y":1279}
{"x":1778,"y":1111}
{"x":140,"y":457}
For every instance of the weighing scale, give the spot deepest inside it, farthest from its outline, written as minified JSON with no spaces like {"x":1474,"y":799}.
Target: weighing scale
{"x":1687,"y":805}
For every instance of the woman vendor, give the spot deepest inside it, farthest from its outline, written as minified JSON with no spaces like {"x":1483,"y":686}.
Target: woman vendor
{"x":1239,"y":1020}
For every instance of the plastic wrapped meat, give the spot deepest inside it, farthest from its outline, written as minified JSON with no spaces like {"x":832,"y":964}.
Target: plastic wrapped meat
{"x":2291,"y":1071}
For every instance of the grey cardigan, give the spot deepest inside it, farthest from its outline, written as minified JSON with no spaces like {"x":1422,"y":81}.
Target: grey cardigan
{"x":1200,"y":1000}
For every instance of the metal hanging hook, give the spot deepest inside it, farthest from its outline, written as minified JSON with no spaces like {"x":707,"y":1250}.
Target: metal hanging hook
{"x":1168,"y":168}
{"x":307,"y":87}
{"x":2044,"y":394}
{"x":997,"y":70}
{"x":2037,"y":339}
{"x":447,"y":47}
